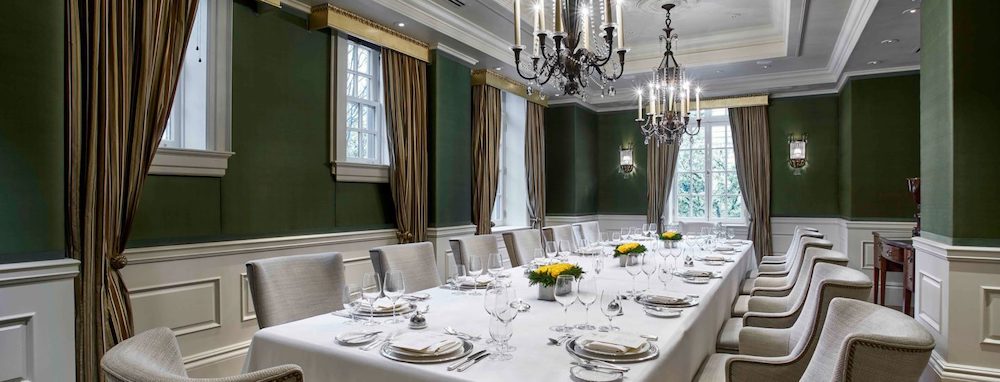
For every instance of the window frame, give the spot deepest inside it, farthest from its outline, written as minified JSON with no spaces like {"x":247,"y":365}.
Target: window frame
{"x":510,"y":209}
{"x":708,"y":122}
{"x":214,"y":159}
{"x":349,"y":169}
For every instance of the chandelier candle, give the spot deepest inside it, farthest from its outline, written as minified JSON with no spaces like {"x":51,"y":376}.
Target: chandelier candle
{"x":621,"y":26}
{"x":559,"y":20}
{"x":517,"y":22}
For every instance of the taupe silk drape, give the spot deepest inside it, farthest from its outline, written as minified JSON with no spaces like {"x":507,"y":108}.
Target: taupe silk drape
{"x":486,"y":129}
{"x":534,"y":163}
{"x":405,"y":94}
{"x":661,"y":159}
{"x":753,"y":167}
{"x":123,"y":60}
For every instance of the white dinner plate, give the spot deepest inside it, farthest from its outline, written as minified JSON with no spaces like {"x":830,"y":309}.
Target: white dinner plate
{"x":664,"y":313}
{"x":582,"y":374}
{"x":696,"y":280}
{"x":463,"y":351}
{"x":354,"y":338}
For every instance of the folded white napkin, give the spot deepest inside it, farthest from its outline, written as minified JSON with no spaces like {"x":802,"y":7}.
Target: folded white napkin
{"x":697,"y":273}
{"x":714,"y":258}
{"x":479,"y":281}
{"x":613,"y":342}
{"x":588,"y":251}
{"x":382,"y":305}
{"x":425,"y":342}
{"x":665,"y":298}
{"x":724,"y":248}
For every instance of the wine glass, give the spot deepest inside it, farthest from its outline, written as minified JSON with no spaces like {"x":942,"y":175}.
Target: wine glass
{"x":675,"y":253}
{"x":586,"y":294}
{"x":352,"y":294}
{"x":666,"y":274}
{"x":371,"y":290}
{"x":649,"y":267}
{"x":565,"y":296}
{"x":501,"y":332}
{"x":730,"y":233}
{"x":616,"y":237}
{"x":565,"y":248}
{"x":394,"y":287}
{"x":598,"y":264}
{"x":611,"y":306}
{"x":494,"y":265}
{"x":633,"y":268}
{"x":537,"y":253}
{"x":605,"y":237}
{"x":645,"y":228}
{"x":456,"y":276}
{"x":652,"y":230}
{"x":551,"y":249}
{"x":475,"y":270}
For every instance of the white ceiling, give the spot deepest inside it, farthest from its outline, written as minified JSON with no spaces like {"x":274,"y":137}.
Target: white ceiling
{"x":807,"y":46}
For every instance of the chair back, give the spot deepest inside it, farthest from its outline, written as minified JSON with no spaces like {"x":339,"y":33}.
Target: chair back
{"x":590,"y":231}
{"x":473,"y":245}
{"x":694,"y":228}
{"x":862,"y":341}
{"x":290,"y":288}
{"x":521,"y":245}
{"x":792,"y":303}
{"x":560,"y":233}
{"x":153,"y":356}
{"x":415,"y":260}
{"x":794,"y":263}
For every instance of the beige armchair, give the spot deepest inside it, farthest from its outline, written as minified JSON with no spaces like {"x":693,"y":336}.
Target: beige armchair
{"x":415,"y":260}
{"x":521,"y":246}
{"x":290,"y":288}
{"x":788,"y":271}
{"x":560,"y":233}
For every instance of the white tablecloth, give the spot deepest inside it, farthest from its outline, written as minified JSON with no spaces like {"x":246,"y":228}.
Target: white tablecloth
{"x":684,"y":342}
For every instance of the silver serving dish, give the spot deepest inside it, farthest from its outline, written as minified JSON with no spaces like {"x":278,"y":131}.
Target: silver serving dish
{"x":387,"y":352}
{"x":578,"y":351}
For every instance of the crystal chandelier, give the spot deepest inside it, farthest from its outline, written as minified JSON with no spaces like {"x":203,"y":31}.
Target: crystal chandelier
{"x":578,"y":55}
{"x":669,"y":97}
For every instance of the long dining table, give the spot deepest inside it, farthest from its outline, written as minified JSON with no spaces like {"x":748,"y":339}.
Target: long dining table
{"x":683,"y":342}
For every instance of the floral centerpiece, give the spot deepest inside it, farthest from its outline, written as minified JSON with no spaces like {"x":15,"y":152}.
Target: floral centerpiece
{"x":545,"y":278}
{"x":628,"y":252}
{"x":670,"y":238}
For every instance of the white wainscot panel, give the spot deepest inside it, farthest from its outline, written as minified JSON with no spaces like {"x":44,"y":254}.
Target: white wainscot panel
{"x":15,"y":347}
{"x":931,"y":296}
{"x":185,"y":307}
{"x":991,"y":315}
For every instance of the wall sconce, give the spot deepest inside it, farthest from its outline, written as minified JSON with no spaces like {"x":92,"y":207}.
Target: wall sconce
{"x":797,"y":153}
{"x":626,"y":160}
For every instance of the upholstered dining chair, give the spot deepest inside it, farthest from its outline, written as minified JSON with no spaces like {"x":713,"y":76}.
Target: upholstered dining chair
{"x":559,"y":233}
{"x":860,"y":341}
{"x":783,"y":286}
{"x":796,"y":234}
{"x":694,"y":228}
{"x":472,"y":245}
{"x":788,"y":260}
{"x":590,"y":231}
{"x":415,"y":260}
{"x":290,"y":288}
{"x":521,"y":245}
{"x":786,"y":311}
{"x":153,"y":356}
{"x":787,"y":271}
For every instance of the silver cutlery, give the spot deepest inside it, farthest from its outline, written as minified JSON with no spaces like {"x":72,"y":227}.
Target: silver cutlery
{"x":462,"y":335}
{"x":374,"y":344}
{"x":599,"y":363}
{"x":361,"y":336}
{"x":559,"y":340}
{"x":650,"y":337}
{"x":597,"y":368}
{"x":464,"y":361}
{"x":473,"y":362}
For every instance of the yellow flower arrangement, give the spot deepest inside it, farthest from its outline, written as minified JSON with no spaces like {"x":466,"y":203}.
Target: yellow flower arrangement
{"x":631,"y":248}
{"x":546,"y":275}
{"x":671,"y":235}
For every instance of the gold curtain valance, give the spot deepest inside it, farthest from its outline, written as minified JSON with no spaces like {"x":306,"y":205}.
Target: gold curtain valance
{"x":494,"y":79}
{"x":731,"y":102}
{"x":328,"y":16}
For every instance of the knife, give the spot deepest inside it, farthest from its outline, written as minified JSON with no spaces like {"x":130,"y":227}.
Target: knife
{"x":467,"y":359}
{"x":473,"y":362}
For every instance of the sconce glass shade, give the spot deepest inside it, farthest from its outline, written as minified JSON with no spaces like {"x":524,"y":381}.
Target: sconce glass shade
{"x":626,"y":160}
{"x":797,"y":150}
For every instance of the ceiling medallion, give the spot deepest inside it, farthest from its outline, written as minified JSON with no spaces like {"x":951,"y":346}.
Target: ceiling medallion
{"x":575,"y":54}
{"x":669,"y":103}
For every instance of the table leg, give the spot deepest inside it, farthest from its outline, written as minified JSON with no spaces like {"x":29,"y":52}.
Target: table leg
{"x":881,"y":281}
{"x":875,"y":290}
{"x":907,"y":304}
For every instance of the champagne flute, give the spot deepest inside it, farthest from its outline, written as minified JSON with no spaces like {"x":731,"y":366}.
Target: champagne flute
{"x":633,"y":268}
{"x":565,"y":296}
{"x":649,"y":267}
{"x":475,"y":270}
{"x":371,"y":290}
{"x":551,"y":249}
{"x":394,"y":287}
{"x":611,"y":306}
{"x":352,"y":294}
{"x":586,"y":294}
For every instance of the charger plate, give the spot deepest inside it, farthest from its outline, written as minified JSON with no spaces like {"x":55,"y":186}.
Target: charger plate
{"x":466,"y":348}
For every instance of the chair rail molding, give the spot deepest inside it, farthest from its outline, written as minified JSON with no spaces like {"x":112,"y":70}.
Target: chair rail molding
{"x":957,"y":299}
{"x":37,"y":341}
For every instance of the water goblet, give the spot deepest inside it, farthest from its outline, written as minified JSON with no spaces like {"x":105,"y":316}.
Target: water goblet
{"x":352,"y":295}
{"x":611,"y":306}
{"x":586,"y":294}
{"x":649,"y":266}
{"x":393,"y":288}
{"x":666,"y":274}
{"x":371,"y":290}
{"x":551,"y":249}
{"x":565,"y":295}
{"x":475,"y":269}
{"x":500,"y":332}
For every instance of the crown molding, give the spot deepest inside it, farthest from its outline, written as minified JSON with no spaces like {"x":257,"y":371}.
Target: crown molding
{"x":296,"y":5}
{"x":854,"y":25}
{"x":471,"y":61}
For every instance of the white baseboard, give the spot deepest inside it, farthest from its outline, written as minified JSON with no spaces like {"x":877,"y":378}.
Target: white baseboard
{"x":940,"y":370}
{"x":37,"y":341}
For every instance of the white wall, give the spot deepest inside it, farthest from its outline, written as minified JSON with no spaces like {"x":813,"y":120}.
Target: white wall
{"x":37,"y":321}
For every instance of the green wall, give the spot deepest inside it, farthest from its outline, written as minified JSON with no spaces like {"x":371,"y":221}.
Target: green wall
{"x":278,"y":182}
{"x":880,"y":140}
{"x":31,"y":131}
{"x":813,"y":193}
{"x":570,"y":166}
{"x":618,"y":193}
{"x":449,"y":137}
{"x":960,"y":168}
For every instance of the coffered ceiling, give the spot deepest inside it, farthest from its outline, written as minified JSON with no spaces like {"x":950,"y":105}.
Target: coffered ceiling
{"x":783,"y":47}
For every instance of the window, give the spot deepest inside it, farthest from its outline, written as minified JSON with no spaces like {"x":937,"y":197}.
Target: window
{"x":196,"y":138}
{"x":511,"y":206}
{"x":362,"y":150}
{"x":706,"y":187}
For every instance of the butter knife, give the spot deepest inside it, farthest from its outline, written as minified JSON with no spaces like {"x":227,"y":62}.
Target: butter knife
{"x":473,"y":362}
{"x":467,"y":359}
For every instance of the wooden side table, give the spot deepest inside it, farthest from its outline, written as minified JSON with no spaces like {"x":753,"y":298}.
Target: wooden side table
{"x":894,"y":255}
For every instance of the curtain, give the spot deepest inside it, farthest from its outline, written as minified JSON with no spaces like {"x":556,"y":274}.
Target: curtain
{"x":486,"y":128}
{"x":405,"y":94}
{"x":534,"y":163}
{"x":123,"y":60}
{"x":661,"y":159}
{"x":753,"y":168}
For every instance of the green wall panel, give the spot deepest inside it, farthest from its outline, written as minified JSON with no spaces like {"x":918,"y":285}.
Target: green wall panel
{"x":31,"y":131}
{"x":449,"y":142}
{"x":619,"y":193}
{"x":936,"y":141}
{"x":815,"y":191}
{"x":846,"y":154}
{"x":164,"y":216}
{"x":570,"y":163}
{"x":585,"y":166}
